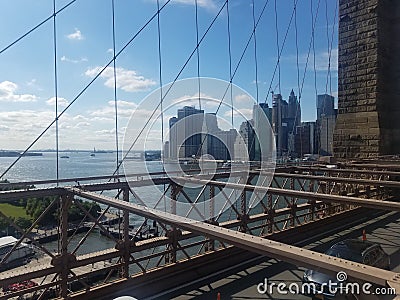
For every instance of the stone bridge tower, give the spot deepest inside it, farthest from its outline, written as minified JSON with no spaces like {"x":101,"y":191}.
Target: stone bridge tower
{"x":368,"y":122}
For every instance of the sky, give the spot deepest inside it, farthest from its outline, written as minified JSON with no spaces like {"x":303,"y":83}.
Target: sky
{"x":84,"y":46}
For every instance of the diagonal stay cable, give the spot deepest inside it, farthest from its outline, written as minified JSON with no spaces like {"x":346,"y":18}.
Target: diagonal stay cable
{"x":115,"y":81}
{"x":329,"y":75}
{"x":310,"y":46}
{"x":169,"y":88}
{"x":281,"y":51}
{"x":36,"y":27}
{"x":83,"y":91}
{"x":236,"y":68}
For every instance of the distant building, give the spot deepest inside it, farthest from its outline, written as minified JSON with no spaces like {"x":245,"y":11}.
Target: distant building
{"x":325,"y":105}
{"x":286,"y":117}
{"x":221,"y":144}
{"x":166,"y":150}
{"x":195,"y":133}
{"x":305,"y":139}
{"x":294,"y":111}
{"x":327,"y":127}
{"x":185,"y":133}
{"x":262,"y":118}
{"x":245,"y":142}
{"x":326,"y":121}
{"x":277,"y":108}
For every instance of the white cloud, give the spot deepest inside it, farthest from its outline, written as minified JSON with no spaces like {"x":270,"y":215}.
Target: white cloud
{"x":61,"y":101}
{"x":207,"y":101}
{"x":31,"y":82}
{"x":80,"y":118}
{"x":77,"y":35}
{"x":208,"y":4}
{"x":82,"y":124}
{"x":202,"y":3}
{"x":107,"y":113}
{"x":127,"y":80}
{"x":8,"y":93}
{"x":74,"y":61}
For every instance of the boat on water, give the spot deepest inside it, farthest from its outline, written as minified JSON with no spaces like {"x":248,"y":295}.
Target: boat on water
{"x":64,"y":156}
{"x":22,"y":252}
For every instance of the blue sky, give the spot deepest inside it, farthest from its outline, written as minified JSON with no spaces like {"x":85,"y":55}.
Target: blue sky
{"x":84,"y":44}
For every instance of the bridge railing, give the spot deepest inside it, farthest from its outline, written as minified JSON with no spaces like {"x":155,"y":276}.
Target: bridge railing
{"x":294,"y":199}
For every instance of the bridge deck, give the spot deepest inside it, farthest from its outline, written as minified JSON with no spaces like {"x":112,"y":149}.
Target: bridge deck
{"x":241,"y":282}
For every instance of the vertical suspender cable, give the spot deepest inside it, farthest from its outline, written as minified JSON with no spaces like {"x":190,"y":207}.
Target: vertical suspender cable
{"x":329,"y":44}
{"x":198,"y":51}
{"x":56,"y":87}
{"x":56,"y":111}
{"x":298,"y":107}
{"x":313,"y":48}
{"x":315,"y":71}
{"x":230,"y":59}
{"x":160,"y":74}
{"x":330,"y":51}
{"x":255,"y":51}
{"x":161,"y":94}
{"x":277,"y":47}
{"x":115,"y":86}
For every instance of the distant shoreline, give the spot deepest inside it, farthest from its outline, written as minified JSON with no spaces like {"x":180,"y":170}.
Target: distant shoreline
{"x":17,"y":154}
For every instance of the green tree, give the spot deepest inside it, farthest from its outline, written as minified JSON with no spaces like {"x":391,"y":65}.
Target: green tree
{"x":23,"y":222}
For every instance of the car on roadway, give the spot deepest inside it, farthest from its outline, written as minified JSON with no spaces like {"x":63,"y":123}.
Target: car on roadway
{"x":357,"y":250}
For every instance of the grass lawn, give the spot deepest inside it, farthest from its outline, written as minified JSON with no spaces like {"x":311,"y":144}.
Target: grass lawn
{"x":13,"y":211}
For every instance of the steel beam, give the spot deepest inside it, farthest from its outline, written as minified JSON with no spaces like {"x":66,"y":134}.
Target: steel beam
{"x":384,"y":183}
{"x":371,"y":203}
{"x":292,"y":254}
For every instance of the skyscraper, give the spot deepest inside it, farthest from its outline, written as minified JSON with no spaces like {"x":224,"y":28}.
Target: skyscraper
{"x":325,"y":105}
{"x":262,"y":118}
{"x":326,"y":121}
{"x":294,"y":110}
{"x":185,"y":132}
{"x":194,"y":133}
{"x":244,"y":145}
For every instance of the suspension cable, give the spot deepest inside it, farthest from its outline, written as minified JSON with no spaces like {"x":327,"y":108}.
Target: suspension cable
{"x":313,"y":48}
{"x":198,"y":51}
{"x":83,"y":91}
{"x":277,"y":46}
{"x":35,"y":27}
{"x":115,"y":83}
{"x":171,"y":85}
{"x":314,"y":20}
{"x":330,"y":51}
{"x":255,"y":50}
{"x":298,"y":106}
{"x":328,"y":44}
{"x":280,"y":54}
{"x":230,"y":60}
{"x":56,"y":88}
{"x":239,"y":62}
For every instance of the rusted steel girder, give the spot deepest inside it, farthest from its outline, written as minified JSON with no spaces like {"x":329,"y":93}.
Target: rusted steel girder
{"x":292,"y":254}
{"x":372,"y":203}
